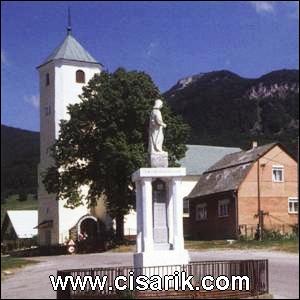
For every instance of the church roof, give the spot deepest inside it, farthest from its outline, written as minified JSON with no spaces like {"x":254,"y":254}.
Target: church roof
{"x":198,"y":158}
{"x":70,"y":49}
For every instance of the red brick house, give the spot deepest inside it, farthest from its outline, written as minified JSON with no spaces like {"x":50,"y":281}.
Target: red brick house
{"x":224,"y":203}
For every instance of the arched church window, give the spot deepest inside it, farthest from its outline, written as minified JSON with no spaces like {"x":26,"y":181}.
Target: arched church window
{"x":80,"y":76}
{"x":47,"y":79}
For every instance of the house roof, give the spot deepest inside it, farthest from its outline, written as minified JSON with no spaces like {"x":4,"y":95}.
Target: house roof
{"x":228,"y":173}
{"x":220,"y":181}
{"x":198,"y":158}
{"x":23,"y":222}
{"x":241,"y":157}
{"x":70,"y":49}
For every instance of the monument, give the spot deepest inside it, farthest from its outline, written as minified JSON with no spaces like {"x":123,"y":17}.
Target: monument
{"x":158,"y":157}
{"x":159,"y":204}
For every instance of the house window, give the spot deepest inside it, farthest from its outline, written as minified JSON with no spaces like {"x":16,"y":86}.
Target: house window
{"x":293,"y":205}
{"x":80,"y":76}
{"x":223,"y":208}
{"x":186,"y":207}
{"x":277,"y":173}
{"x":47,"y":79}
{"x":201,"y":212}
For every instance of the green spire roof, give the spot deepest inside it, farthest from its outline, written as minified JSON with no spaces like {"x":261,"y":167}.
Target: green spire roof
{"x":70,"y":49}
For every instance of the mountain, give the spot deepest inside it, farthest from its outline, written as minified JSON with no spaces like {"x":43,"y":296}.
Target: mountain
{"x":222,"y":109}
{"x":20,"y":152}
{"x":225,"y":109}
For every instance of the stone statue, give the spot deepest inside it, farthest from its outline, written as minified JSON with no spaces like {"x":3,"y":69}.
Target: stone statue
{"x":156,"y":125}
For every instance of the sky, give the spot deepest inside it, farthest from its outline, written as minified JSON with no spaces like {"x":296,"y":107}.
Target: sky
{"x":167,"y":40}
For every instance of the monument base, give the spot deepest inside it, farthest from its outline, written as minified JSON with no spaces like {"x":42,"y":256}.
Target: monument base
{"x":160,"y":258}
{"x":154,"y":173}
{"x":160,"y":243}
{"x":159,"y":160}
{"x":160,"y":263}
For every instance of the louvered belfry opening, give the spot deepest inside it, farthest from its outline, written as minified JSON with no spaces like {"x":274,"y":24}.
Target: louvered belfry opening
{"x":80,"y":76}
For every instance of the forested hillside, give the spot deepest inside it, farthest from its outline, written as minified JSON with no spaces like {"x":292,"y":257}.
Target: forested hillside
{"x":19,"y":159}
{"x":225,"y":109}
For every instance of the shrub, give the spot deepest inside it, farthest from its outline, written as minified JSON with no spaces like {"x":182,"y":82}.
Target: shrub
{"x":275,"y":235}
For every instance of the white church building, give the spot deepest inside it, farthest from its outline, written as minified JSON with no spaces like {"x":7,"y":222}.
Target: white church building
{"x":62,"y":76}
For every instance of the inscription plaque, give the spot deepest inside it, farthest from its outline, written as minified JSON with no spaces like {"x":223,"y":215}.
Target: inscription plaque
{"x":160,"y":224}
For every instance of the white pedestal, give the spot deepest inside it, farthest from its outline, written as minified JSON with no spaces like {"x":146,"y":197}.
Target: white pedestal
{"x":150,"y":253}
{"x":160,"y":258}
{"x":159,"y":160}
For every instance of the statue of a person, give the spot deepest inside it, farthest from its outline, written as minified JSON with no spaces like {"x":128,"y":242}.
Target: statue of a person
{"x":156,"y":125}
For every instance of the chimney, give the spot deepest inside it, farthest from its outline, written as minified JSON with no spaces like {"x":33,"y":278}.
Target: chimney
{"x":254,"y":144}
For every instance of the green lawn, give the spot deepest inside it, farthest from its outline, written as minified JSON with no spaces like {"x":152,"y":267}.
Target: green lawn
{"x":278,"y":245}
{"x":12,"y":203}
{"x":9,"y":264}
{"x":284,"y":245}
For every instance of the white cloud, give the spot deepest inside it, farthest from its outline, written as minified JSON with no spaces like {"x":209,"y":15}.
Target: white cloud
{"x":263,"y":6}
{"x":34,"y":100}
{"x":151,"y":48}
{"x":287,"y":8}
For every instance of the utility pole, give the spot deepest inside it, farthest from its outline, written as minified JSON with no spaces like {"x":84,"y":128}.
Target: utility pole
{"x":298,"y":184}
{"x":259,"y":212}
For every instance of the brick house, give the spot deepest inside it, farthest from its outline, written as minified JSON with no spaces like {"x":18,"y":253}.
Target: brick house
{"x":224,"y":203}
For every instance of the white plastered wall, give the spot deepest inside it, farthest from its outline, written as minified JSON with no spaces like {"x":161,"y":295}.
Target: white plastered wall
{"x":62,"y":91}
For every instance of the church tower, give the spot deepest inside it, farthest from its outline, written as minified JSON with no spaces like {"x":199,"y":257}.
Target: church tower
{"x":61,"y":76}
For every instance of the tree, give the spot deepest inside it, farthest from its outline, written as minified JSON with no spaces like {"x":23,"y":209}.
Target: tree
{"x":22,"y":196}
{"x":105,"y":141}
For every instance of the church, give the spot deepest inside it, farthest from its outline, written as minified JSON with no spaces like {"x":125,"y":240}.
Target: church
{"x":61,"y":78}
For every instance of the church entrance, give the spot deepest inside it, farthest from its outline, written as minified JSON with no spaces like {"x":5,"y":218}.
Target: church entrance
{"x":88,"y":229}
{"x":91,"y":234}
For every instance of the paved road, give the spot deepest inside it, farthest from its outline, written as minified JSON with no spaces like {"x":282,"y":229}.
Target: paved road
{"x":32,"y":282}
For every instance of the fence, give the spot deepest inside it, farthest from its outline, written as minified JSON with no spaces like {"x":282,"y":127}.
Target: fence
{"x":256,"y":270}
{"x":249,"y":231}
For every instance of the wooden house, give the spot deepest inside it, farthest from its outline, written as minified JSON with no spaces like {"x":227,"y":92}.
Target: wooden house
{"x":227,"y":199}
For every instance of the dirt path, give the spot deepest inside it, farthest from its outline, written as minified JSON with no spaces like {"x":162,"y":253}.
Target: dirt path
{"x":33,"y":281}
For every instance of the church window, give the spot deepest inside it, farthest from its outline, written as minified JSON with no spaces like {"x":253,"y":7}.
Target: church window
{"x":80,"y":76}
{"x":48,"y":237}
{"x":47,"y":79}
{"x":47,"y":110}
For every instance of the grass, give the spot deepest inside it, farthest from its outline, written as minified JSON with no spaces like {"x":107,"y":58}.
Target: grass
{"x":10,"y":264}
{"x":278,"y":245}
{"x":12,"y":203}
{"x":291,"y":246}
{"x":123,"y":248}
